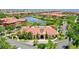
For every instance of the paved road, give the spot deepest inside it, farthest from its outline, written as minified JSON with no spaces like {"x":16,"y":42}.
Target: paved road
{"x":20,"y":44}
{"x":61,"y":44}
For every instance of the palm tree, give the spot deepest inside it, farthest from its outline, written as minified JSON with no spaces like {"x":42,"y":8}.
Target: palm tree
{"x":29,"y":36}
{"x":35,"y":42}
{"x":4,"y":44}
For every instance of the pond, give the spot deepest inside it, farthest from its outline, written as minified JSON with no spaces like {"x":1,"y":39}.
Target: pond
{"x":31,"y":19}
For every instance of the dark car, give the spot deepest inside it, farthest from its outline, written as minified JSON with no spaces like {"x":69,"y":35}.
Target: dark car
{"x":66,"y":47}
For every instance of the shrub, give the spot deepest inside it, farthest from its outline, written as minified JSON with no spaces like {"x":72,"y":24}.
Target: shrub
{"x":2,"y":28}
{"x":2,"y":15}
{"x":50,"y":44}
{"x":9,"y":28}
{"x":41,"y":46}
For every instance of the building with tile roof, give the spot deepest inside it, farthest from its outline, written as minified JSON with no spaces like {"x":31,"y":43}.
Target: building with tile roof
{"x":9,"y":21}
{"x":42,"y":31}
{"x":56,"y":14}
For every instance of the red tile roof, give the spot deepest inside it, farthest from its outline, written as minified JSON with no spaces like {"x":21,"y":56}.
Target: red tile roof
{"x":41,"y":30}
{"x":59,"y":14}
{"x":11,"y":20}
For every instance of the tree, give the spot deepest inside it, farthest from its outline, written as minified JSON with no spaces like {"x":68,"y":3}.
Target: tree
{"x":29,"y":36}
{"x":75,"y":35}
{"x":25,"y":35}
{"x":35,"y":42}
{"x":73,"y":31}
{"x":4,"y":44}
{"x":35,"y":24}
{"x":9,"y":28}
{"x":37,"y":36}
{"x":17,"y":16}
{"x":61,"y":37}
{"x":76,"y":41}
{"x":2,"y":28}
{"x":50,"y":44}
{"x":2,"y":15}
{"x":22,"y":35}
{"x":46,"y":36}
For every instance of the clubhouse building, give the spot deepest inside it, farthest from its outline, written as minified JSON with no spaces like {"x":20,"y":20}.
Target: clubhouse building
{"x":41,"y":32}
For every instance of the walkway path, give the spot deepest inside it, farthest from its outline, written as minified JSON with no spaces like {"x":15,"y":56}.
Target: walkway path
{"x":19,"y":44}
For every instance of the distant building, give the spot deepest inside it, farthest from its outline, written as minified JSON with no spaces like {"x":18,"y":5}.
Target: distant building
{"x":56,"y":14}
{"x":11,"y":21}
{"x":43,"y":32}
